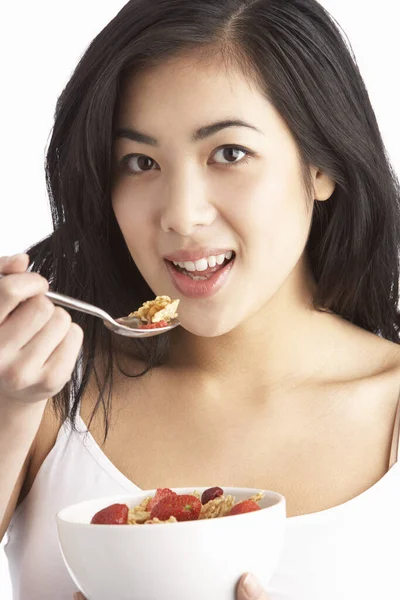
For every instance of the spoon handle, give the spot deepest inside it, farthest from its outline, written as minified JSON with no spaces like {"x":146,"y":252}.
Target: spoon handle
{"x":75,"y":304}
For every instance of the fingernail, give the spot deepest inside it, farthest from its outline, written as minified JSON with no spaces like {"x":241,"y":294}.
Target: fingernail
{"x":252,"y":587}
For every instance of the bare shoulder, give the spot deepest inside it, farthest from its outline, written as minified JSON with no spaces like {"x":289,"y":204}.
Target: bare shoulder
{"x":362,"y":354}
{"x":374,"y":373}
{"x":391,"y":369}
{"x":362,"y":370}
{"x":393,"y":357}
{"x":389,"y":372}
{"x":384,"y":355}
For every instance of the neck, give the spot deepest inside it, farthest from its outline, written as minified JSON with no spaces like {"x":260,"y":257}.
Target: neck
{"x":281,"y":344}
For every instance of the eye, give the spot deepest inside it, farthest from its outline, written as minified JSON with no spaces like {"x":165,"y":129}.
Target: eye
{"x":232,"y":155}
{"x":136,"y":164}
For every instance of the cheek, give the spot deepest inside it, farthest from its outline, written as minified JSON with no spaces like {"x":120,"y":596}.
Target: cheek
{"x":271,"y":217}
{"x":268,"y":199}
{"x":133,"y":219}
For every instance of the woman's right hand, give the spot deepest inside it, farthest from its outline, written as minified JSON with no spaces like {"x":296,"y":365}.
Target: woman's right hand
{"x":39,"y":344}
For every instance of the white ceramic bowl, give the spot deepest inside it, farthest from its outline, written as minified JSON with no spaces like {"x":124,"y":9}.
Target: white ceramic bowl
{"x":192,"y":560}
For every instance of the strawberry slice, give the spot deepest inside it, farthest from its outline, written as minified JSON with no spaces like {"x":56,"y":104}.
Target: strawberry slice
{"x":183,"y":507}
{"x":243,"y":507}
{"x":159,"y":495}
{"x":116,"y":514}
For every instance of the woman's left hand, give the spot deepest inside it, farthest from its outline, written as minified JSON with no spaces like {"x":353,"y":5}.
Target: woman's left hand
{"x":248,"y":589}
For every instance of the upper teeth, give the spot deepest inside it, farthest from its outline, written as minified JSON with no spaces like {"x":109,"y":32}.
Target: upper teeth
{"x":204,"y":263}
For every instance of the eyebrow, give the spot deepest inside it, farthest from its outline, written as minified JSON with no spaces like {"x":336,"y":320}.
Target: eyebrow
{"x":201,"y":134}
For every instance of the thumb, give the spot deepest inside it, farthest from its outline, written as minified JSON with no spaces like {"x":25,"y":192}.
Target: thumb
{"x":249,"y":588}
{"x":78,"y":596}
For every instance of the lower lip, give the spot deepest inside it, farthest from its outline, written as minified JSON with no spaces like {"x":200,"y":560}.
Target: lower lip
{"x":192,"y":288}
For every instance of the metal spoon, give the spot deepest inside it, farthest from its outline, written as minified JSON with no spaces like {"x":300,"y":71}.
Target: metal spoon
{"x":127,"y":326}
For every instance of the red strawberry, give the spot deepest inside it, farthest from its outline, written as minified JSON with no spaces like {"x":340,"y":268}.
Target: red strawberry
{"x":159,"y":495}
{"x":211,"y":494}
{"x":116,"y":514}
{"x":154,"y":325}
{"x":243,"y":507}
{"x":183,"y":507}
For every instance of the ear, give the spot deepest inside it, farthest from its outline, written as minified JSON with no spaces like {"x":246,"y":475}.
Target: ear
{"x":324,"y":186}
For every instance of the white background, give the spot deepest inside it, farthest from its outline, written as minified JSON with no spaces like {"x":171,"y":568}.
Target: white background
{"x":40,"y":45}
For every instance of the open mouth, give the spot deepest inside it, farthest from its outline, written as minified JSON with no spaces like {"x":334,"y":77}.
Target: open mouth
{"x":204,"y":269}
{"x":201,"y":278}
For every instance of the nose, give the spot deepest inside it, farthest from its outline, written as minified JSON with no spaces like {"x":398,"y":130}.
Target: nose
{"x":186,"y":204}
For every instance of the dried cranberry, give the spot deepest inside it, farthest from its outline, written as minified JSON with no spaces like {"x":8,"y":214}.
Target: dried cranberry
{"x":211,"y":494}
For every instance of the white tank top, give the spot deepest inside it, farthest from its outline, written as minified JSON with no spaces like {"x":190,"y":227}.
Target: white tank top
{"x":348,"y":552}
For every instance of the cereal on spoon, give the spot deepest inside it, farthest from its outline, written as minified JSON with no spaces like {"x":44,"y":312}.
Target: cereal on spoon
{"x":156,"y":313}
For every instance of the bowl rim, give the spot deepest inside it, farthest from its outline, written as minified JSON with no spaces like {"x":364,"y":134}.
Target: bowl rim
{"x":278,"y":498}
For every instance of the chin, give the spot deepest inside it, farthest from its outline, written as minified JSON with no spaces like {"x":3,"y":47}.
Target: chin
{"x":207,"y":328}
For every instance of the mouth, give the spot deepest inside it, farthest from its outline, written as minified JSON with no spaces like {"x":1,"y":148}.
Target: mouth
{"x":203,"y":277}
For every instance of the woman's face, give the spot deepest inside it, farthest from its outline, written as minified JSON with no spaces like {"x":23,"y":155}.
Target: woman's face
{"x":207,"y":171}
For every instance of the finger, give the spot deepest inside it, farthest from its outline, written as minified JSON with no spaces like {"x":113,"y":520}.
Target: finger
{"x":14,"y":264}
{"x":249,"y":588}
{"x":78,"y":596}
{"x":39,"y":347}
{"x":54,"y":374}
{"x":25,"y":322}
{"x":18,"y":287}
{"x":32,"y":358}
{"x":59,"y":367}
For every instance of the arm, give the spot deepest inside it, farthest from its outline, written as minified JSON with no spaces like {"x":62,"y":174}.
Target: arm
{"x":39,"y":346}
{"x":18,"y":428}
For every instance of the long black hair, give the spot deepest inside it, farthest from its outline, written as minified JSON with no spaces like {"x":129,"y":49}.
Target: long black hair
{"x":307,"y":69}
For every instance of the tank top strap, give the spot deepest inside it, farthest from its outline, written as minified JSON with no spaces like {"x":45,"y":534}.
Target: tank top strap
{"x":395,"y":449}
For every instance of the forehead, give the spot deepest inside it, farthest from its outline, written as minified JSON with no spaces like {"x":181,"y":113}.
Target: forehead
{"x":190,"y":87}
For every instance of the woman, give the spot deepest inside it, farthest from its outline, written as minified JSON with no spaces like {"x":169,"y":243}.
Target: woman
{"x":225,"y":154}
